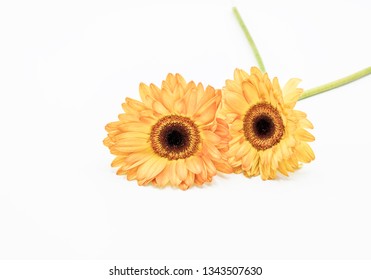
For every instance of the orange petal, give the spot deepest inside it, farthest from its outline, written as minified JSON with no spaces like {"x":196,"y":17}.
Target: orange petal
{"x":151,"y":168}
{"x":235,"y":102}
{"x":212,"y":137}
{"x":163,"y":178}
{"x":210,"y":167}
{"x":173,"y":176}
{"x":191,"y":102}
{"x":181,"y":169}
{"x":194,"y":164}
{"x":211,"y":150}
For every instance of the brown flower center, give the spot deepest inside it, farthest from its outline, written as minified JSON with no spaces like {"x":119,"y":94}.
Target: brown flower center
{"x":263,"y":126}
{"x":175,"y":137}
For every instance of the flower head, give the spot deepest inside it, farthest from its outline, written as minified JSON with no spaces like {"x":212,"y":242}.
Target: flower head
{"x":172,"y":136}
{"x":268,"y":134}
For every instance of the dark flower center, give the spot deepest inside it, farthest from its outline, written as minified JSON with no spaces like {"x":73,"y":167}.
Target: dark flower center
{"x":175,"y":137}
{"x":263,"y":126}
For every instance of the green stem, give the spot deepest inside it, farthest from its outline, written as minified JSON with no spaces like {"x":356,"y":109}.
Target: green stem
{"x":249,"y":39}
{"x":338,"y":83}
{"x":310,"y":92}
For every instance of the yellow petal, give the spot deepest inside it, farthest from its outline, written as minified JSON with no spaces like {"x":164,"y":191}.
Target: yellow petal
{"x":180,"y":80}
{"x":118,"y":161}
{"x":282,"y":168}
{"x":134,"y":104}
{"x":243,"y":150}
{"x":212,"y":151}
{"x":135,"y":127}
{"x":209,"y":165}
{"x":167,"y":98}
{"x":144,"y":91}
{"x":137,"y":159}
{"x":189,"y":180}
{"x":237,"y":125}
{"x":256,"y":71}
{"x":132,"y":142}
{"x":163,"y":178}
{"x":250,"y":92}
{"x":305,"y":153}
{"x":179,"y":107}
{"x":178,"y":92}
{"x":191,"y":102}
{"x":233,"y":86}
{"x":171,"y":81}
{"x":173,"y":176}
{"x":194,"y":164}
{"x":240,"y":75}
{"x":263,"y":92}
{"x":285,"y":152}
{"x":223,"y":167}
{"x":304,"y":135}
{"x":250,"y":159}
{"x":208,"y":98}
{"x":211,"y":137}
{"x":277,"y":92}
{"x":305,"y":123}
{"x":291,"y":93}
{"x":131,"y":149}
{"x":131,"y":135}
{"x":160,"y":108}
{"x":291,"y":86}
{"x":181,"y":169}
{"x":235,"y":102}
{"x":151,"y":168}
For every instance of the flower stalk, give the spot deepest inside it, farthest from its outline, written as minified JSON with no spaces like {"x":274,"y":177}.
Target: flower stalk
{"x":338,"y":83}
{"x":310,"y":92}
{"x":250,"y":40}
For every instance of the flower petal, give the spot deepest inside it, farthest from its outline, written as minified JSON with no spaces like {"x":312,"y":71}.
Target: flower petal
{"x":194,"y":164}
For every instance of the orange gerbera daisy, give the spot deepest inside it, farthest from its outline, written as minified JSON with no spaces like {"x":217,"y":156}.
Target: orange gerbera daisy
{"x":268,"y":135}
{"x":172,"y":136}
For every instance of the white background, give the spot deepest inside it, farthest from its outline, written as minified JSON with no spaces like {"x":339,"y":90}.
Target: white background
{"x":65,"y":69}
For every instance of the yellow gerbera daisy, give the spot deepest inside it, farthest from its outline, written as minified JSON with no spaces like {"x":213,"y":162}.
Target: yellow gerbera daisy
{"x":268,"y":135}
{"x":172,"y":136}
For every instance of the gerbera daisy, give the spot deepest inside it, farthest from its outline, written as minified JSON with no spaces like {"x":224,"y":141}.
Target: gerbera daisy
{"x":268,"y":135}
{"x":172,"y":137}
